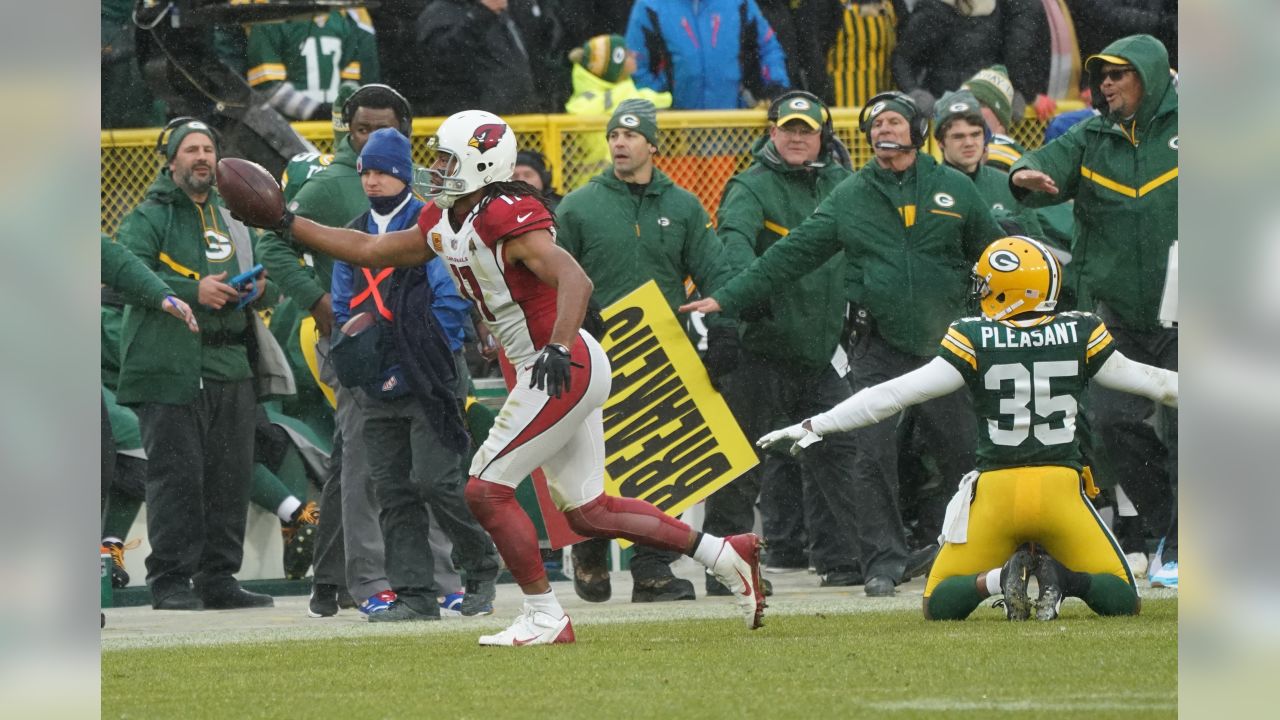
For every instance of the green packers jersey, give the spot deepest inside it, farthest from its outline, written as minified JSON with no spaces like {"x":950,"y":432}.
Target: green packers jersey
{"x":1026,"y":383}
{"x":299,"y":170}
{"x":315,"y":55}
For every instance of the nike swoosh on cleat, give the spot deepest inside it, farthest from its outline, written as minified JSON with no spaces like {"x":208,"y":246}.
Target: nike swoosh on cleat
{"x":745,"y":582}
{"x":518,"y":642}
{"x":522,"y":218}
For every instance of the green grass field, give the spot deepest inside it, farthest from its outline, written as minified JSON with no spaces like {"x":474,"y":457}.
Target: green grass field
{"x":869,"y":664}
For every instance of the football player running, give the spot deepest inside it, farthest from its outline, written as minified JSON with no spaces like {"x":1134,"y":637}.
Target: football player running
{"x":1025,"y":510}
{"x":498,"y":240}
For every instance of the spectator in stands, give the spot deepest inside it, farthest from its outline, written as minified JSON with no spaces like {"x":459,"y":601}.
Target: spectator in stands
{"x":602,"y":78}
{"x":482,"y":54}
{"x":629,"y":225}
{"x":1001,"y":107}
{"x":413,"y":383}
{"x":302,"y":63}
{"x":531,"y":167}
{"x":846,"y":48}
{"x":910,"y":230}
{"x":336,"y":197}
{"x":792,"y":361}
{"x":194,"y":395}
{"x":943,"y":41}
{"x":1122,"y":170}
{"x":711,"y":55}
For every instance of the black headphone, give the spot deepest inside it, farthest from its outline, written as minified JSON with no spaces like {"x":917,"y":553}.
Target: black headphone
{"x":775,"y":112}
{"x":162,"y":141}
{"x":403,"y":110}
{"x":830,"y":143}
{"x":919,"y":122}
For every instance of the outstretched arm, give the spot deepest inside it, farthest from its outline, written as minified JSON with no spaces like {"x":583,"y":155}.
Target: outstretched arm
{"x":870,"y":406}
{"x":402,"y":248}
{"x":538,"y":251}
{"x":1121,"y":373}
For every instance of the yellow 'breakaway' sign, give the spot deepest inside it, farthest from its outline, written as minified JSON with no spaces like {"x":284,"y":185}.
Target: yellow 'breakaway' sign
{"x":670,"y":438}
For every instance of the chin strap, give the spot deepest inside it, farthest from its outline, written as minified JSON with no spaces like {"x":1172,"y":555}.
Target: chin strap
{"x":443,"y":201}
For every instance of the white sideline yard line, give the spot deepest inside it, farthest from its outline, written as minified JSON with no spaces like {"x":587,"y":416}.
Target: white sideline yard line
{"x":795,"y":594}
{"x":1121,"y":701}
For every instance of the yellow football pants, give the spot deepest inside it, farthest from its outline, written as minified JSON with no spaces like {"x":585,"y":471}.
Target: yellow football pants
{"x":1045,"y":505}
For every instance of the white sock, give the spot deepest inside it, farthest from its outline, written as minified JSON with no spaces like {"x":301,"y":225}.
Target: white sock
{"x":993,"y":582}
{"x":287,"y":506}
{"x":708,"y":549}
{"x":546,"y":603}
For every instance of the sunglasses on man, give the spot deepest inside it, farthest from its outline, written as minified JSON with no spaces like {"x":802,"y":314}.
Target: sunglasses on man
{"x":1116,"y":74}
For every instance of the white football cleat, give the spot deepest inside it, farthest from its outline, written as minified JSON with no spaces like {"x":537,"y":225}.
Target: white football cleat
{"x":533,"y":628}
{"x":1137,"y":563}
{"x":737,"y":567}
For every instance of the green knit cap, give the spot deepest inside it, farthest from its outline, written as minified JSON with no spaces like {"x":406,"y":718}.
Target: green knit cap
{"x":636,"y":114}
{"x":993,"y":89}
{"x":604,"y":56}
{"x":182,"y":131}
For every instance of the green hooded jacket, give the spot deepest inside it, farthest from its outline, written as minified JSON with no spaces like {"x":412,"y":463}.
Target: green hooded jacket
{"x":123,"y":272}
{"x":909,"y":245}
{"x":161,"y":360}
{"x":333,"y":197}
{"x":1123,"y":176}
{"x":624,"y":240}
{"x":760,"y":206}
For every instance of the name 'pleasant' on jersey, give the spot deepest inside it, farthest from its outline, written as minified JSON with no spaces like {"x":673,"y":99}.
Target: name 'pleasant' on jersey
{"x":1009,"y":337}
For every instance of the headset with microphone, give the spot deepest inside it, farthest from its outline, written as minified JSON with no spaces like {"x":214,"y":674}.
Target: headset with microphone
{"x":918,"y":122}
{"x":830,"y":143}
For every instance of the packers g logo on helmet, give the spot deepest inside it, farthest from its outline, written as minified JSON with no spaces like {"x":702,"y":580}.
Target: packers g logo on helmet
{"x":1016,"y":275}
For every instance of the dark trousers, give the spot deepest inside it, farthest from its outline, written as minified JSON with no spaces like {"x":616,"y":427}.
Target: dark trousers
{"x":765,"y":395}
{"x":199,"y":472}
{"x":108,"y":451}
{"x":947,"y":424}
{"x":330,"y":561}
{"x":414,"y":476}
{"x":1139,"y":437}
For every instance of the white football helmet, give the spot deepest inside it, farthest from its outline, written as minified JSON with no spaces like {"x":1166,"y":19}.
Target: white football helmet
{"x":474,"y":148}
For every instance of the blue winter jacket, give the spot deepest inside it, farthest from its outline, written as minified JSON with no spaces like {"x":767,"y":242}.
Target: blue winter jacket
{"x":706,"y":52}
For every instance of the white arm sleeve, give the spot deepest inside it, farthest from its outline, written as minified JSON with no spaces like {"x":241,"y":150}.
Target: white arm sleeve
{"x":1121,"y":373}
{"x":887,"y":399}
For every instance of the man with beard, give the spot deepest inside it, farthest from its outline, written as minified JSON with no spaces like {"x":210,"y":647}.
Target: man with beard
{"x":193,"y":393}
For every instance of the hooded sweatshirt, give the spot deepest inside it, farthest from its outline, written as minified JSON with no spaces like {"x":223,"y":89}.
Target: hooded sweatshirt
{"x":1123,"y":175}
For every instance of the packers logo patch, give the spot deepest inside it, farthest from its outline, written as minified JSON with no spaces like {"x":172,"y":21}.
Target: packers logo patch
{"x":218,"y":247}
{"x":1173,"y":143}
{"x":875,"y":109}
{"x":959,"y":107}
{"x":944,"y":200}
{"x":799,"y":104}
{"x":1004,"y":260}
{"x":629,"y":121}
{"x":619,"y":55}
{"x":436,"y":243}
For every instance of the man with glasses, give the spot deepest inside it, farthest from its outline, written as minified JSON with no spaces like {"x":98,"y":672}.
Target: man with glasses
{"x":791,"y":356}
{"x":1121,"y":168}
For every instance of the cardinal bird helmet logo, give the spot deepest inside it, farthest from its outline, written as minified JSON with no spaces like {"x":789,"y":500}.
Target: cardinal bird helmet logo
{"x":486,"y":137}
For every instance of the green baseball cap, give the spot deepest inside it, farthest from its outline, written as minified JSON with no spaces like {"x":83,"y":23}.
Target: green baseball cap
{"x":802,"y":109}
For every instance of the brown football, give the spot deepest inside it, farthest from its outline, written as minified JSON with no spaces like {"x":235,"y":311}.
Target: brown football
{"x":249,"y":191}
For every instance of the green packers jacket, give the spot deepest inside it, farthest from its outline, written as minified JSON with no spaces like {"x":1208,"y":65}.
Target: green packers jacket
{"x":623,"y":240}
{"x":1123,"y":176}
{"x":333,"y":197}
{"x":123,"y":272}
{"x":760,"y":206}
{"x":910,"y":241}
{"x":161,"y":360}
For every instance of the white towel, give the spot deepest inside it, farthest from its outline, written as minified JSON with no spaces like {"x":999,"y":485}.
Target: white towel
{"x":955,"y":525}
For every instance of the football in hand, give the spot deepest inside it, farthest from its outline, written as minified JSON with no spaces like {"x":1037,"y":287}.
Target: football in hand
{"x":250,"y":192}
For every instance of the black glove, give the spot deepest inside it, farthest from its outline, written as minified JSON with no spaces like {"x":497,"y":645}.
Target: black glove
{"x":551,"y":370}
{"x":722,"y":352}
{"x":281,"y":226}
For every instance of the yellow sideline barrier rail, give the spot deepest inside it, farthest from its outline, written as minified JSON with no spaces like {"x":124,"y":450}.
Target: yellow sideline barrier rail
{"x":700,"y":150}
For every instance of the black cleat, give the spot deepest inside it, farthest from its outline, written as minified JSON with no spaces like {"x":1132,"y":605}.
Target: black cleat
{"x":1013,"y":583}
{"x":662,"y":589}
{"x":592,"y":586}
{"x":841,"y":577}
{"x":1049,"y":573}
{"x":920,"y":561}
